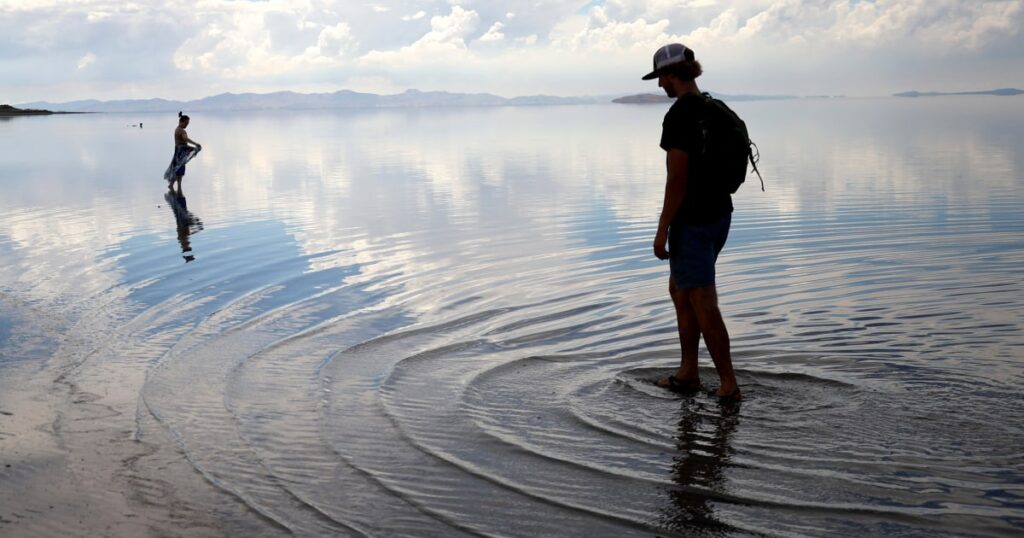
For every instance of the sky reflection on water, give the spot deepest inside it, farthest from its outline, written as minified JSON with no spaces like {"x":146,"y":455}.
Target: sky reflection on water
{"x":334,"y":175}
{"x":433,"y":280}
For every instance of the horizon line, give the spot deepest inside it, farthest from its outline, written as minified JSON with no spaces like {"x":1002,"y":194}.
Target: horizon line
{"x":541,"y":95}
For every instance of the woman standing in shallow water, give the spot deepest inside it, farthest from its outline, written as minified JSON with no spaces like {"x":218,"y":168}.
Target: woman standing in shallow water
{"x":182,"y":150}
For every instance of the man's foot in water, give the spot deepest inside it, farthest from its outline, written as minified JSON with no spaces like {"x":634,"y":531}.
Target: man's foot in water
{"x":680,"y":381}
{"x":728,"y":393}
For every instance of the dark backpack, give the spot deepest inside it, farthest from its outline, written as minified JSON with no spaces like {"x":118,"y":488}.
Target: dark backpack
{"x":726,"y":148}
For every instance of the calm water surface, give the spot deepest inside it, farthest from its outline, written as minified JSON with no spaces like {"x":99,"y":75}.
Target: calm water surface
{"x":445,"y":322}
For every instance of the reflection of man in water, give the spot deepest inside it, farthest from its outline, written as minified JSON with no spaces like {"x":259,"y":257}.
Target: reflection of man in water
{"x":181,"y":150}
{"x":694,"y":222}
{"x":698,"y":472}
{"x":188,"y":223}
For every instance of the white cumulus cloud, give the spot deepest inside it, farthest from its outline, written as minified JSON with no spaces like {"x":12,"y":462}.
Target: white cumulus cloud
{"x":514,"y":47}
{"x":493,"y":33}
{"x":266,"y":40}
{"x":444,"y":43}
{"x":335,"y":40}
{"x":86,"y":60}
{"x":602,"y":33}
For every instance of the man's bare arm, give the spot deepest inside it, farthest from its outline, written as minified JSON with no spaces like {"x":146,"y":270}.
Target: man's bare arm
{"x":677,"y":164}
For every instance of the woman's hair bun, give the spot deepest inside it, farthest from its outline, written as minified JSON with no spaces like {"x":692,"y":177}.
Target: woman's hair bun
{"x":179,"y":114}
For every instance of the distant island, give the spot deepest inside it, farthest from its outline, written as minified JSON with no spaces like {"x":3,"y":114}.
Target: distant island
{"x":343,"y":99}
{"x":8,"y":110}
{"x":653,"y":98}
{"x":1000,"y":91}
{"x":643,"y":99}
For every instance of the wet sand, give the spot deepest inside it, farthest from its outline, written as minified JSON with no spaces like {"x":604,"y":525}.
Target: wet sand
{"x":71,"y":462}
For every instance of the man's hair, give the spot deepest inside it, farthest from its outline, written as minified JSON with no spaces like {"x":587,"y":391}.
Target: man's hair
{"x":685,"y":70}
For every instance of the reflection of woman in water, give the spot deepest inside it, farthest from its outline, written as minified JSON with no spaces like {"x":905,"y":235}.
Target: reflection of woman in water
{"x":188,"y":223}
{"x":182,"y":152}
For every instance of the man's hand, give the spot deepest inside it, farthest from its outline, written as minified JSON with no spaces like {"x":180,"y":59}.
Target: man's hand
{"x":677,"y":164}
{"x":659,"y":244}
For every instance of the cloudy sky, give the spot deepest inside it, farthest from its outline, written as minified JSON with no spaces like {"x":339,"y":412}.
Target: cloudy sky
{"x":60,"y":50}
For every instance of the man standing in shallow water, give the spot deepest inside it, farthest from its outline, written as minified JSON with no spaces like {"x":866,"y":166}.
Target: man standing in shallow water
{"x":694,"y":223}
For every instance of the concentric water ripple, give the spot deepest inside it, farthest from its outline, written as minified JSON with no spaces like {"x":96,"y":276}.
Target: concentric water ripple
{"x":440,"y":336}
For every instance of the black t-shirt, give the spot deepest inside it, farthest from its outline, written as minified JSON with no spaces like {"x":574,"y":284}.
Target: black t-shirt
{"x":681,"y":130}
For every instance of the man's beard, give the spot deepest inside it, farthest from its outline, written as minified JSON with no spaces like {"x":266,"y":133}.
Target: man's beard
{"x":669,"y":91}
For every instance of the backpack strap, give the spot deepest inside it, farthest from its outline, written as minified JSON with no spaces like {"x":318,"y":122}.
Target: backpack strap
{"x":755,"y":155}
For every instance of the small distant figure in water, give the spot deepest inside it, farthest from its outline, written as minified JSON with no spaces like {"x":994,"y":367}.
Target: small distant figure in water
{"x":694,"y":223}
{"x":182,"y":151}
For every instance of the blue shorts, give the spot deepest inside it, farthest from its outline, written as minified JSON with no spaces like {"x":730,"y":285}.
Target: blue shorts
{"x":693,"y":250}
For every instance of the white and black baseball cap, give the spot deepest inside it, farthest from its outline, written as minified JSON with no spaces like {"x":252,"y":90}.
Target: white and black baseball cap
{"x":670,"y":54}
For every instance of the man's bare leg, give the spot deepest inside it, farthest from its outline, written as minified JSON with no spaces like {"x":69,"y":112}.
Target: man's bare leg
{"x":716,"y":336}
{"x":689,"y":336}
{"x":689,"y":331}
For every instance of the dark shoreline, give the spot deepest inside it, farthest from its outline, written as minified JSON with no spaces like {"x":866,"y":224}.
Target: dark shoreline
{"x":10,"y":111}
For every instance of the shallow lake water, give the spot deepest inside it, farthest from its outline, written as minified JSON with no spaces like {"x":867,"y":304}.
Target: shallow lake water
{"x":445,"y":322}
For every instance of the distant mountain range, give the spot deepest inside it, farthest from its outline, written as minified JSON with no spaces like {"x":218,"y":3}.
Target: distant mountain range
{"x":309,"y":101}
{"x":347,"y":99}
{"x":1000,"y":91}
{"x":650,"y":98}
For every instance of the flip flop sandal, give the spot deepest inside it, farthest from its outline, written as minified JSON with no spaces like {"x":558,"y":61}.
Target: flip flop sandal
{"x":732,"y":397}
{"x":680,"y":386}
